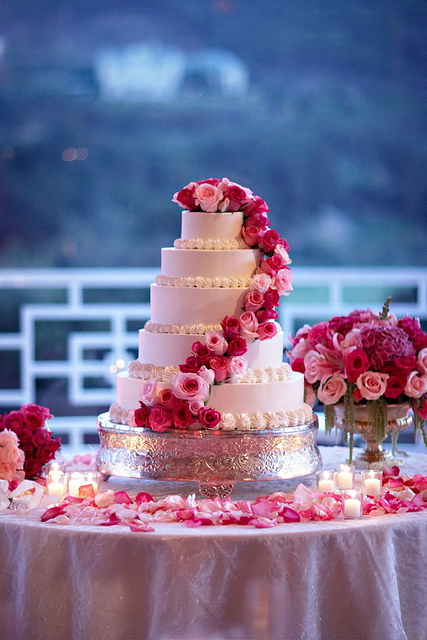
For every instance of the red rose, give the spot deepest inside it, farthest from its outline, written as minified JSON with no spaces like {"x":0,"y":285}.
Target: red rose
{"x":272,"y":265}
{"x":219,"y":365}
{"x":267,"y":330}
{"x":236,"y":193}
{"x":13,"y":420}
{"x":34,"y":421}
{"x":141,"y":415}
{"x":42,"y":412}
{"x":298,"y":365}
{"x":160,"y":419}
{"x":192,"y":365}
{"x":208,"y":417}
{"x":32,"y":468}
{"x":230,"y":327}
{"x":357,"y":395}
{"x":269,"y":241}
{"x":411,"y":326}
{"x":236,"y":347}
{"x":271,"y":298}
{"x":420,"y":341}
{"x":181,"y":415}
{"x":405,"y":364}
{"x":421,"y":408}
{"x":266,"y":314}
{"x":167,"y":399}
{"x":253,"y":230}
{"x":355,"y":363}
{"x":202,"y":352}
{"x":395,"y":385}
{"x":186,"y":199}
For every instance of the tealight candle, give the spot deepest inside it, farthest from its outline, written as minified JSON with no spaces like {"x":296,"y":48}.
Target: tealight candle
{"x":55,"y":484}
{"x":326,"y":481}
{"x":76,"y":479}
{"x":352,"y":504}
{"x":372,"y":482}
{"x":345,"y":476}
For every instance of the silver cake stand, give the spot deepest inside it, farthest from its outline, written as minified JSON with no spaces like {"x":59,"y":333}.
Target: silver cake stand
{"x":213,"y":459}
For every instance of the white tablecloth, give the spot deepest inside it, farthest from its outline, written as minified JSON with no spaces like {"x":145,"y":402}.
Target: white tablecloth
{"x":343,"y":580}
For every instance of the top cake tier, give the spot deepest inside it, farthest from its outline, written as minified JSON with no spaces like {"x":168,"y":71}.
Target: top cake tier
{"x":212,"y":226}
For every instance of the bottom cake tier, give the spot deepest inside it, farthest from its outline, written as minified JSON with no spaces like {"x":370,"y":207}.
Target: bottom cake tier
{"x":213,"y":459}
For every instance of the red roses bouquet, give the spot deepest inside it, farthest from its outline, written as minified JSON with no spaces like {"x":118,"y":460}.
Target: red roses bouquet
{"x":35,"y":440}
{"x":364,"y":359}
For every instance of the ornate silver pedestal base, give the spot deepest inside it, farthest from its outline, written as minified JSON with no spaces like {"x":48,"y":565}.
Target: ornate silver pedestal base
{"x":214,"y":459}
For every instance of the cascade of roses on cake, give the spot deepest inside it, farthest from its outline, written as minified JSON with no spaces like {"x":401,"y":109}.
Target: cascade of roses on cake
{"x":221,"y":358}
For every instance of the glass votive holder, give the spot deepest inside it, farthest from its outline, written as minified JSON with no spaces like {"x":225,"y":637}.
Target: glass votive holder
{"x":352,"y":504}
{"x":326,"y":481}
{"x":372,"y":482}
{"x":55,"y":484}
{"x":77,"y":481}
{"x":55,"y":466}
{"x":344,"y":478}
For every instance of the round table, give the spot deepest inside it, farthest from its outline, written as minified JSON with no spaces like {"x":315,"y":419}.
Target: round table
{"x":343,"y":580}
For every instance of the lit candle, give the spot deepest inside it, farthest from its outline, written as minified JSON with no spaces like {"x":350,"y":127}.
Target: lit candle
{"x":352,"y":508}
{"x":345,"y":477}
{"x":77,"y":480}
{"x":325,"y":481}
{"x":56,"y":489}
{"x":372,"y":482}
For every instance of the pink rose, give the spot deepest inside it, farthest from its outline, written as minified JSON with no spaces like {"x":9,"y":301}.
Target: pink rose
{"x":283,"y":252}
{"x":256,"y":205}
{"x":216,"y":342}
{"x":181,"y":415}
{"x":416,"y":385}
{"x":194,"y":406}
{"x":237,"y":366}
{"x":422,"y":361}
{"x":208,"y":417}
{"x":331,"y":389}
{"x":207,"y":197}
{"x":160,"y":419}
{"x":219,"y":365}
{"x":148,"y":392}
{"x":237,"y":347}
{"x":272,"y":265}
{"x":267,"y":330}
{"x":316,"y":366}
{"x":249,"y":325}
{"x":261,"y":282}
{"x":237,"y":194}
{"x":230,"y":327}
{"x":271,"y":298}
{"x":266,"y":314}
{"x":254,"y":300}
{"x":372,"y":384}
{"x":253,"y":230}
{"x":166,"y":398}
{"x":283,"y":281}
{"x":269,"y":241}
{"x":190,"y":386}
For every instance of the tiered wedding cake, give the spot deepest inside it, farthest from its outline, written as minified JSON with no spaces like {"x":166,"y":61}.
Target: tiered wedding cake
{"x":211,"y":356}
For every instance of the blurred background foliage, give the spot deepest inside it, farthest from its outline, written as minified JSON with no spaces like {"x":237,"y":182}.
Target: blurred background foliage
{"x":108,"y":107}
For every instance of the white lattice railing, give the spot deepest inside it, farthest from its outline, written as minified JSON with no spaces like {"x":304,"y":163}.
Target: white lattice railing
{"x":78,"y":326}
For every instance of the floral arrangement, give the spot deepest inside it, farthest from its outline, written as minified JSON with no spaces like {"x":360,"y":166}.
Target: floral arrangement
{"x":35,"y":440}
{"x":11,"y":458}
{"x":364,"y":359}
{"x":221,"y":358}
{"x":399,"y":494}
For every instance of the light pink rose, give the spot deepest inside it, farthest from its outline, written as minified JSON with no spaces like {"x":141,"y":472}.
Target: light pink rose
{"x":216,"y":342}
{"x":267,"y":330}
{"x":280,"y":249}
{"x":148,"y":392}
{"x":131,"y":418}
{"x":194,"y":406}
{"x":300,"y":349}
{"x":422,"y":360}
{"x":310,"y":395}
{"x":416,"y":385}
{"x":331,"y":389}
{"x":372,"y":384}
{"x":316,"y":366}
{"x":260,"y":282}
{"x":208,"y":197}
{"x":190,"y":386}
{"x":8,"y":437}
{"x":207,"y":374}
{"x":283,"y":282}
{"x":237,"y":366}
{"x":249,"y":325}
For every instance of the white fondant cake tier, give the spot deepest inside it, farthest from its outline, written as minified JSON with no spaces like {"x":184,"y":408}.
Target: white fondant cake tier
{"x":211,"y":226}
{"x":193,"y":305}
{"x":209,"y":263}
{"x":253,"y":405}
{"x":162,"y":349}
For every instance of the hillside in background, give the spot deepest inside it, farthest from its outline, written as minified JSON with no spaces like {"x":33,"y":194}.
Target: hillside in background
{"x":107,"y":108}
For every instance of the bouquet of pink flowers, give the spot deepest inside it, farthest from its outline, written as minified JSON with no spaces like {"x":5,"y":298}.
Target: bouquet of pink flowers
{"x":365,"y":359}
{"x":11,"y":458}
{"x":35,"y":440}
